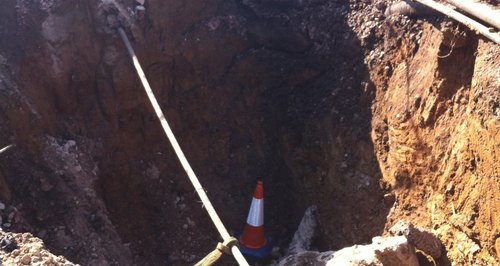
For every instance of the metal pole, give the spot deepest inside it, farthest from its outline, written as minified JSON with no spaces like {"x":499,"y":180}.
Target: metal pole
{"x":472,"y":24}
{"x":182,"y":158}
{"x":479,"y":10}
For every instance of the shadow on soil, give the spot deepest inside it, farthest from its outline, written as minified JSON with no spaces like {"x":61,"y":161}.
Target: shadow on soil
{"x":273,"y":100}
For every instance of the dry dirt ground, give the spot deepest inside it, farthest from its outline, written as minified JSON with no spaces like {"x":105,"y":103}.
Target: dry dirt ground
{"x":374,"y":118}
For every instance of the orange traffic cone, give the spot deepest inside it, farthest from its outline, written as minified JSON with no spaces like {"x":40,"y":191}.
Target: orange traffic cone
{"x":253,"y":242}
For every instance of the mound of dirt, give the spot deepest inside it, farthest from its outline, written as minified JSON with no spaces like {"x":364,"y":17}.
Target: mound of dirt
{"x":25,"y":249}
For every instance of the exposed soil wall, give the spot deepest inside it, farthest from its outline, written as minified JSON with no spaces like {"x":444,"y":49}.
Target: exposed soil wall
{"x":329,"y":102}
{"x":436,"y":132}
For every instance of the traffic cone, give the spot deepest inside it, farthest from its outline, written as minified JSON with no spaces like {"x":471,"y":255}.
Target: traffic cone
{"x":253,"y":241}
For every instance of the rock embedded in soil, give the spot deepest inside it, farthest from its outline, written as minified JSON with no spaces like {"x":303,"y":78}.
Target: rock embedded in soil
{"x":422,"y":239}
{"x":303,"y":237}
{"x":395,"y":250}
{"x":389,"y":199}
{"x":382,"y":251}
{"x":26,"y":259}
{"x":8,"y":243}
{"x":408,"y":8}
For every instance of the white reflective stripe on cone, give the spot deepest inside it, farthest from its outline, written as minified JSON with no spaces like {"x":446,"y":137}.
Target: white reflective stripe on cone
{"x":256,"y":213}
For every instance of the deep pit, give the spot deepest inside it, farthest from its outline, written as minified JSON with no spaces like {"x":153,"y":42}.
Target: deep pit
{"x":374,"y":119}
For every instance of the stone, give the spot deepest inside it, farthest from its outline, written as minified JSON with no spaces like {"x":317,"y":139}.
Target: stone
{"x":8,"y":243}
{"x":389,"y":199}
{"x":26,"y":259}
{"x":36,"y":251}
{"x":422,"y":239}
{"x":2,"y":206}
{"x":15,"y":253}
{"x":302,"y":238}
{"x":407,"y":8}
{"x":383,"y":251}
{"x":141,"y":2}
{"x":71,"y":143}
{"x":306,"y":258}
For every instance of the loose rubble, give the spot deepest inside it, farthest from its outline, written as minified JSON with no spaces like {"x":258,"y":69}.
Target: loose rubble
{"x":25,"y":249}
{"x":391,"y":250}
{"x":383,"y":251}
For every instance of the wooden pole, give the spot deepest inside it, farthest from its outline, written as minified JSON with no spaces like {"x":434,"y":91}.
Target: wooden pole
{"x":479,"y":10}
{"x":180,"y":154}
{"x":470,"y":23}
{"x":6,"y":148}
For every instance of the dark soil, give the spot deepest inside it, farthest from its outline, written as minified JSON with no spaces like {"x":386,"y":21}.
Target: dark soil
{"x":329,"y":102}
